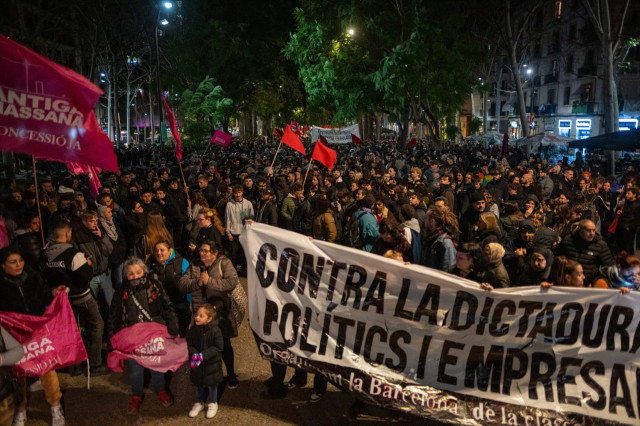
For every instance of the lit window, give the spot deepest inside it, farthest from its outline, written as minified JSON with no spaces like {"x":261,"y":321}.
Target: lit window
{"x":558,"y":10}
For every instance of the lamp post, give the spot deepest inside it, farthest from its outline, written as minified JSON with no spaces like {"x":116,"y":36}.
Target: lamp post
{"x":104,"y":78}
{"x":533,"y":91}
{"x":165,"y":5}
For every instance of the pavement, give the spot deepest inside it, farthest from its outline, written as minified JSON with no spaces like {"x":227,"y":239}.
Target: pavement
{"x":105,"y":402}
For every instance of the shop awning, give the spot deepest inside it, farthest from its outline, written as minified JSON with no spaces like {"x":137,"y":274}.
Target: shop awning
{"x":617,"y":141}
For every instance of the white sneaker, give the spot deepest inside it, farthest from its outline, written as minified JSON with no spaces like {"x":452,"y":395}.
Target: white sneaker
{"x":57,"y":416}
{"x":195,"y":410}
{"x":212,"y":409}
{"x":20,"y":419}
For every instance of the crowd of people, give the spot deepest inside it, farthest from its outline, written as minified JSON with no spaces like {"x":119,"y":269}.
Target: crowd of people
{"x":159,"y":243}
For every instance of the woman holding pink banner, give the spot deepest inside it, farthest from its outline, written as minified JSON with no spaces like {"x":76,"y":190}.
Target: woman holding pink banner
{"x":22,"y":290}
{"x":142,"y":299}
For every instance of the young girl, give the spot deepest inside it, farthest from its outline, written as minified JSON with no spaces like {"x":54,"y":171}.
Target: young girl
{"x":205,"y":351}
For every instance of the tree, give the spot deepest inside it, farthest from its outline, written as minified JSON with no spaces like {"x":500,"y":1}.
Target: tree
{"x":608,"y":22}
{"x":204,"y":110}
{"x":410,"y":59}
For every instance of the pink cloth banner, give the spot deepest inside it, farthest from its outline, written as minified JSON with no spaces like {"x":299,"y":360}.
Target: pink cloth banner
{"x":221,"y":138}
{"x":50,"y":341}
{"x":46,"y":110}
{"x":174,"y":129}
{"x":151,"y":345}
{"x":94,"y":176}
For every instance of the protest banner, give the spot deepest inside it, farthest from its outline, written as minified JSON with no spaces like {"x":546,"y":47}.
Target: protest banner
{"x":335,"y":135}
{"x":150,"y":344}
{"x":51,"y":341}
{"x":415,"y":339}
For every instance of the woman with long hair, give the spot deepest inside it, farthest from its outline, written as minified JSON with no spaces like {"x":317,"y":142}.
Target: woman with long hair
{"x":392,"y":238}
{"x":472,"y":263}
{"x":169,"y":267}
{"x":22,"y":290}
{"x":211,"y":228}
{"x":564,"y":273}
{"x":155,"y":231}
{"x":488,"y":229}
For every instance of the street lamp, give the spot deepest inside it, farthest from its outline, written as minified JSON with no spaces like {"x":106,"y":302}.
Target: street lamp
{"x":533,"y":90}
{"x":165,"y":6}
{"x":104,"y":78}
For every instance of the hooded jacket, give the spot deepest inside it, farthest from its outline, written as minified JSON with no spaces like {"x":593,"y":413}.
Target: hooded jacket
{"x":528,"y":276}
{"x":495,"y":254}
{"x":65,"y":265}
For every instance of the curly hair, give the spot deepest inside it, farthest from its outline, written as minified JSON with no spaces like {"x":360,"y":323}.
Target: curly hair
{"x":444,"y":218}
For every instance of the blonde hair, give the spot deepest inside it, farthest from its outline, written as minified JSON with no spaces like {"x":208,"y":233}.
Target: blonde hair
{"x":212,"y":215}
{"x":393,"y":254}
{"x":490,"y":220}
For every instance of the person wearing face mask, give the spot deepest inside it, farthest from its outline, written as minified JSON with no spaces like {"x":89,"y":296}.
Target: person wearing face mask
{"x":624,"y":274}
{"x":168,"y":267}
{"x":142,"y":299}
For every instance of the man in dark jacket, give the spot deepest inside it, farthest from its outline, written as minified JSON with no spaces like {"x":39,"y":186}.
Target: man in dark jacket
{"x":629,"y":221}
{"x":469,"y":218}
{"x":588,"y":248}
{"x":267,"y":209}
{"x":66,"y":266}
{"x":97,"y":247}
{"x":175,"y":207}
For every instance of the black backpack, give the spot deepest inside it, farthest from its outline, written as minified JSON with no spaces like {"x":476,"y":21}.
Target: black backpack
{"x":352,"y":234}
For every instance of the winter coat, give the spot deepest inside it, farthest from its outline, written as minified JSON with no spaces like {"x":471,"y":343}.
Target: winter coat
{"x":24,"y":294}
{"x":207,"y":340}
{"x":267,"y":213}
{"x":439,"y":253}
{"x":303,"y":218}
{"x":152,"y":298}
{"x":608,"y":277}
{"x":209,"y":233}
{"x":324,"y":227}
{"x":99,"y":248}
{"x":591,"y":255}
{"x":369,"y":231}
{"x":496,"y":253}
{"x":223,"y":280}
{"x":169,"y":274}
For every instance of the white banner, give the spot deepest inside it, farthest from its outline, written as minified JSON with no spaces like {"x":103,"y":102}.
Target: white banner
{"x":338,"y":135}
{"x":416,"y":339}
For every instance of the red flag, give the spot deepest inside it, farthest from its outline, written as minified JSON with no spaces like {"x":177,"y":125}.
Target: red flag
{"x":324,"y":140}
{"x":174,"y":129}
{"x":47,"y":110}
{"x":305,"y":129}
{"x":413,"y":142}
{"x":277,"y":132}
{"x":221,"y":138}
{"x":356,"y":140}
{"x":293,"y":141}
{"x":51,"y":341}
{"x":324,"y":154}
{"x":93,"y":172}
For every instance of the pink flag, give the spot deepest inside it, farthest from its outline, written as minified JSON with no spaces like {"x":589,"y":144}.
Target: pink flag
{"x":295,"y":127}
{"x":51,"y":341}
{"x":47,"y":110}
{"x":93,"y":172}
{"x":174,"y":129}
{"x":151,"y":345}
{"x":221,"y":138}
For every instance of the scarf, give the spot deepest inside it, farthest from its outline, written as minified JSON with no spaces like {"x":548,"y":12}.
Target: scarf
{"x":108,"y":225}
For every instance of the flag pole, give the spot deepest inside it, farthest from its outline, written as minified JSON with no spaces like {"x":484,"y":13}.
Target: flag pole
{"x":35,"y":179}
{"x":306,"y":174}
{"x":184,"y":181}
{"x":275,"y":156}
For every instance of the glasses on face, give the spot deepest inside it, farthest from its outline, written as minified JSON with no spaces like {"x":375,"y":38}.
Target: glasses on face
{"x":204,"y":251}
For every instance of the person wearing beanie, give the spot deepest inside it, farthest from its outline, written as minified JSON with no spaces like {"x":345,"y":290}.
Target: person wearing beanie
{"x":469,"y":219}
